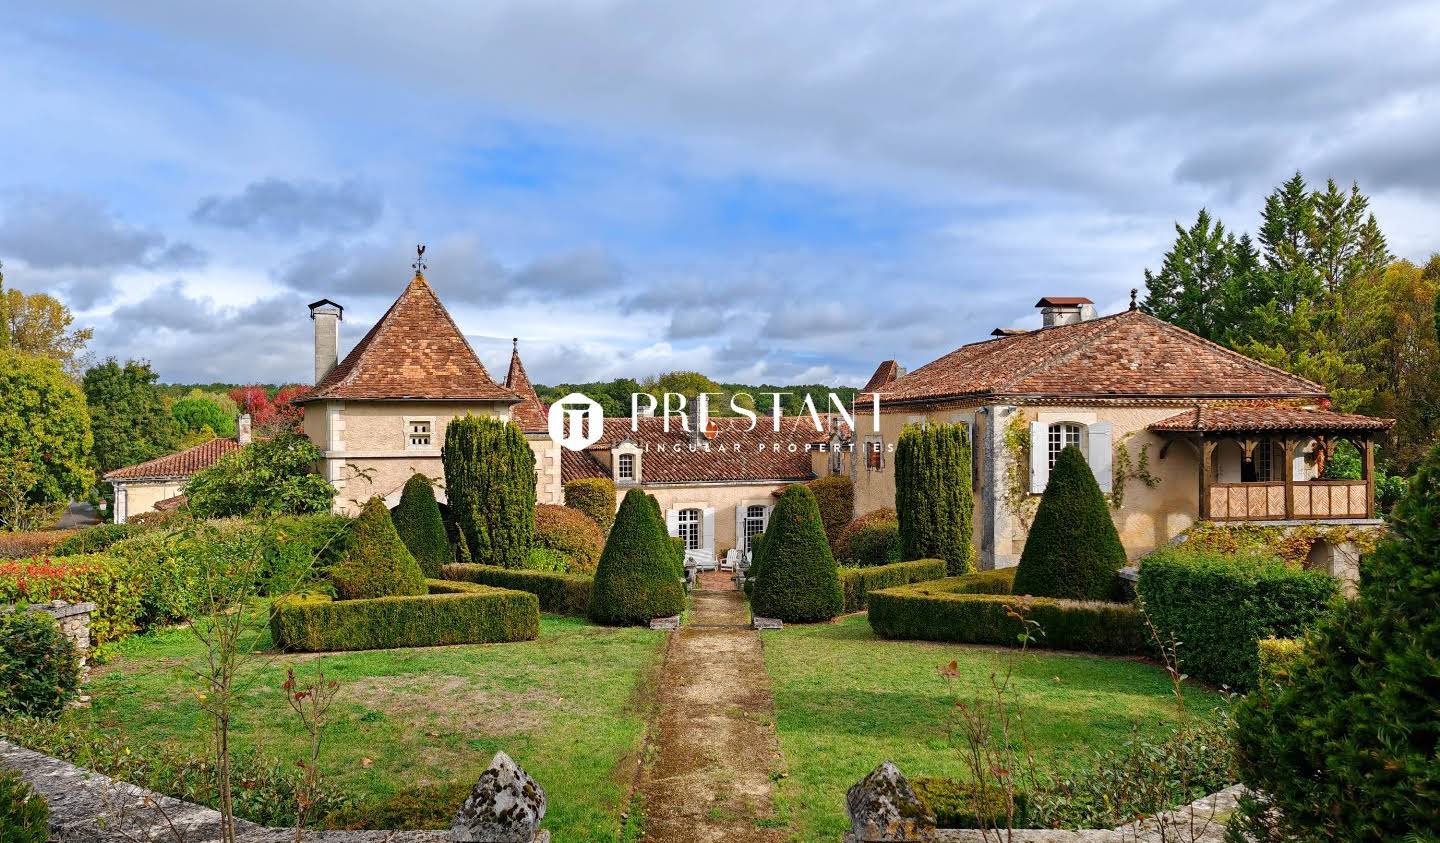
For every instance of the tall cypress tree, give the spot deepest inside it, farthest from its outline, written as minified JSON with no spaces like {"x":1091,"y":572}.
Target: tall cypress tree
{"x":933,"y":497}
{"x":490,"y":481}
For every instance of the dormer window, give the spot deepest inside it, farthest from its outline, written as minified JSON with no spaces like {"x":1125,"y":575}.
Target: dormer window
{"x":419,"y":432}
{"x":625,"y":467}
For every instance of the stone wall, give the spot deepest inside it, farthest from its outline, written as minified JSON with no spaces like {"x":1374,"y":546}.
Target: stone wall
{"x":74,"y":620}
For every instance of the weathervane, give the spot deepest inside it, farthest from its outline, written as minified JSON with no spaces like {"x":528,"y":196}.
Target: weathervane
{"x":1133,"y":293}
{"x":419,"y":263}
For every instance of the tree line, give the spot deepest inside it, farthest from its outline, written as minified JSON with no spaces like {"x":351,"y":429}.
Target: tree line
{"x":1318,"y":293}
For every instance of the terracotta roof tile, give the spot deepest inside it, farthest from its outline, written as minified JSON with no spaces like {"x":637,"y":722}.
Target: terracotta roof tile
{"x":178,"y":465}
{"x":886,"y":373}
{"x":1258,"y":417}
{"x":414,"y":351}
{"x":1124,"y":355}
{"x":732,"y":455}
{"x":171,"y":504}
{"x":530,"y":414}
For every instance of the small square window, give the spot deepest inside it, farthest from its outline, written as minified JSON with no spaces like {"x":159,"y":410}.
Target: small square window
{"x":874,"y":453}
{"x":419,"y":434}
{"x":626,"y":467}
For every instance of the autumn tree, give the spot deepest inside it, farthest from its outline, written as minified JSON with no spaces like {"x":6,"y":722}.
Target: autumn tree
{"x":271,"y":412}
{"x":40,"y":324}
{"x":44,"y":437}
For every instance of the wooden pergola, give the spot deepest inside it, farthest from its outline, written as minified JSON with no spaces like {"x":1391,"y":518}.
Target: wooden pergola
{"x":1285,"y":430}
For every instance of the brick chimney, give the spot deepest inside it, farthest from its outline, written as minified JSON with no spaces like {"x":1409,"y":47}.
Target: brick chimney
{"x":242,"y":429}
{"x":1065,"y":310}
{"x":327,"y":316}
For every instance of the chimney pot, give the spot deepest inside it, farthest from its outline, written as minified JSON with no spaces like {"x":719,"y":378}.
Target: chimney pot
{"x":242,"y":429}
{"x":1065,"y":310}
{"x":327,"y":316}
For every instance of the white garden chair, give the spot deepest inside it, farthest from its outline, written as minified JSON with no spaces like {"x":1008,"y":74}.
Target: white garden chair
{"x":731,"y":560}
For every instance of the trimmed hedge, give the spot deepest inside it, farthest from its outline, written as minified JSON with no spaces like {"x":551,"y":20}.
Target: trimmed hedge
{"x":871,"y":539}
{"x":571,"y":533}
{"x":33,"y":543}
{"x":856,"y":583}
{"x":378,"y":564}
{"x":945,"y":611}
{"x":933,"y":496}
{"x":116,"y":587}
{"x":594,"y":496}
{"x":1073,"y":550}
{"x":796,"y":580}
{"x":1219,"y":606}
{"x":96,"y":539}
{"x":835,"y":496}
{"x":560,"y":594}
{"x":417,"y":520}
{"x":637,"y":579}
{"x":453,"y":613}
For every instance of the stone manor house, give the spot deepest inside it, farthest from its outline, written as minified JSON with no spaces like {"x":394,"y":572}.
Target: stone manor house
{"x":1176,"y":429}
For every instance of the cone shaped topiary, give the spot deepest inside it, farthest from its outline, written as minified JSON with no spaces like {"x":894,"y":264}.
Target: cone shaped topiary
{"x":417,"y":520}
{"x":1348,"y":746}
{"x":798,"y":580}
{"x":1073,"y":550}
{"x":635,"y":581}
{"x":378,"y":564}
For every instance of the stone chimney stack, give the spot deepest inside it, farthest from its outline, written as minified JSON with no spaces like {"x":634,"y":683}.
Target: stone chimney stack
{"x":242,"y":429}
{"x":1065,"y":310}
{"x":327,"y":316}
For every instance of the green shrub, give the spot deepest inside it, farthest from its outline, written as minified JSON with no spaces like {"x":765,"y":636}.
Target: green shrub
{"x":490,"y":484}
{"x":33,"y":543}
{"x":871,"y":539}
{"x":39,"y":667}
{"x":378,"y":564}
{"x":998,"y":581}
{"x":1073,"y":550}
{"x":457,"y":613}
{"x":274,"y":476}
{"x":545,"y":559}
{"x":677,"y":555}
{"x":418,"y":522}
{"x":939,"y":612}
{"x":570,"y":533}
{"x":1277,"y":657}
{"x":1346,"y":748}
{"x":636,"y":579}
{"x":594,"y":496}
{"x":856,"y":583}
{"x":798,"y":581}
{"x":933,"y":499}
{"x":97,"y":539}
{"x":959,"y":804}
{"x":561,"y":594}
{"x":835,"y":496}
{"x":24,"y":816}
{"x":1218,"y":606}
{"x":116,"y":587}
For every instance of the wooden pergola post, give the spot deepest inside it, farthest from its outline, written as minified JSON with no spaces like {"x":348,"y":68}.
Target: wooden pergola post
{"x":1369,"y":476}
{"x":1207,"y":450}
{"x":1289,"y":468}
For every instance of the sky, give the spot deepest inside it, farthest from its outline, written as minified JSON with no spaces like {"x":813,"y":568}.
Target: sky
{"x":765,"y":192}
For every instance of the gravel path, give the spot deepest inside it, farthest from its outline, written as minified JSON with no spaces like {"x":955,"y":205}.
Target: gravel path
{"x":714,"y":746}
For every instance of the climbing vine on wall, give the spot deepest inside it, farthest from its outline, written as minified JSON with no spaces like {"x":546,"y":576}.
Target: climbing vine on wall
{"x":1016,"y":494}
{"x":1291,"y":544}
{"x":1124,"y":469}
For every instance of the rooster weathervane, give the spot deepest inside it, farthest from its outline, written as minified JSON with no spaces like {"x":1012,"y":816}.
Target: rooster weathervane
{"x":419,"y":263}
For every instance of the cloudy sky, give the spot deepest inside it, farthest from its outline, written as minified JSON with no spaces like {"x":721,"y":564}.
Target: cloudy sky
{"x":763,"y":191}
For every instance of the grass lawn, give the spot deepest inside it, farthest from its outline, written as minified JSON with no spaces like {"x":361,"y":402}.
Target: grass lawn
{"x":846,"y":700}
{"x":414,"y":728}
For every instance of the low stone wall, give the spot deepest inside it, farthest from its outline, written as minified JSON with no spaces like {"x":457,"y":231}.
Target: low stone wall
{"x":884,"y":808}
{"x":86,"y":807}
{"x":74,"y":620}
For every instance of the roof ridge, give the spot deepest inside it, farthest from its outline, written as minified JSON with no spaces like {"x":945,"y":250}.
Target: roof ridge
{"x":1232,"y":353}
{"x":1078,"y":342}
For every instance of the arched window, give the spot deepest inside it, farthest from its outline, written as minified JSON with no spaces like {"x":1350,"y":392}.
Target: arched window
{"x":754,"y":524}
{"x":1062,"y":436}
{"x":626,"y":467}
{"x":689,"y":523}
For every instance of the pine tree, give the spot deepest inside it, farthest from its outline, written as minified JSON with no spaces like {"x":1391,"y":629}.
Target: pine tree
{"x":635,"y":581}
{"x":377,"y":564}
{"x":490,"y":482}
{"x":1345,"y":747}
{"x":933,"y":496}
{"x":418,"y":521}
{"x":798,"y":580}
{"x":1194,"y":279}
{"x":1073,"y":550}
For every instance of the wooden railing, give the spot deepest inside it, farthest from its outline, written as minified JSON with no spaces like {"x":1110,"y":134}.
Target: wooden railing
{"x":1312,"y":499}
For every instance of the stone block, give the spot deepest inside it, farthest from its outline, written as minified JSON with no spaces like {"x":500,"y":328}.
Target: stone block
{"x":884,"y":808}
{"x":505,"y":806}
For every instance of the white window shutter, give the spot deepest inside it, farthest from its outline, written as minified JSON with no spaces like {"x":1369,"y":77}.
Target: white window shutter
{"x":707,"y":535}
{"x":740,"y":525}
{"x":1039,"y":456}
{"x":1100,"y":454}
{"x":672,"y":521}
{"x":765,"y":522}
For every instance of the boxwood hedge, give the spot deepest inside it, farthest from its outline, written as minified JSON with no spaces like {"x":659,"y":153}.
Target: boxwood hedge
{"x":857,"y":583}
{"x":453,"y":613}
{"x":1218,"y":606}
{"x":561,"y":594}
{"x":953,"y":610}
